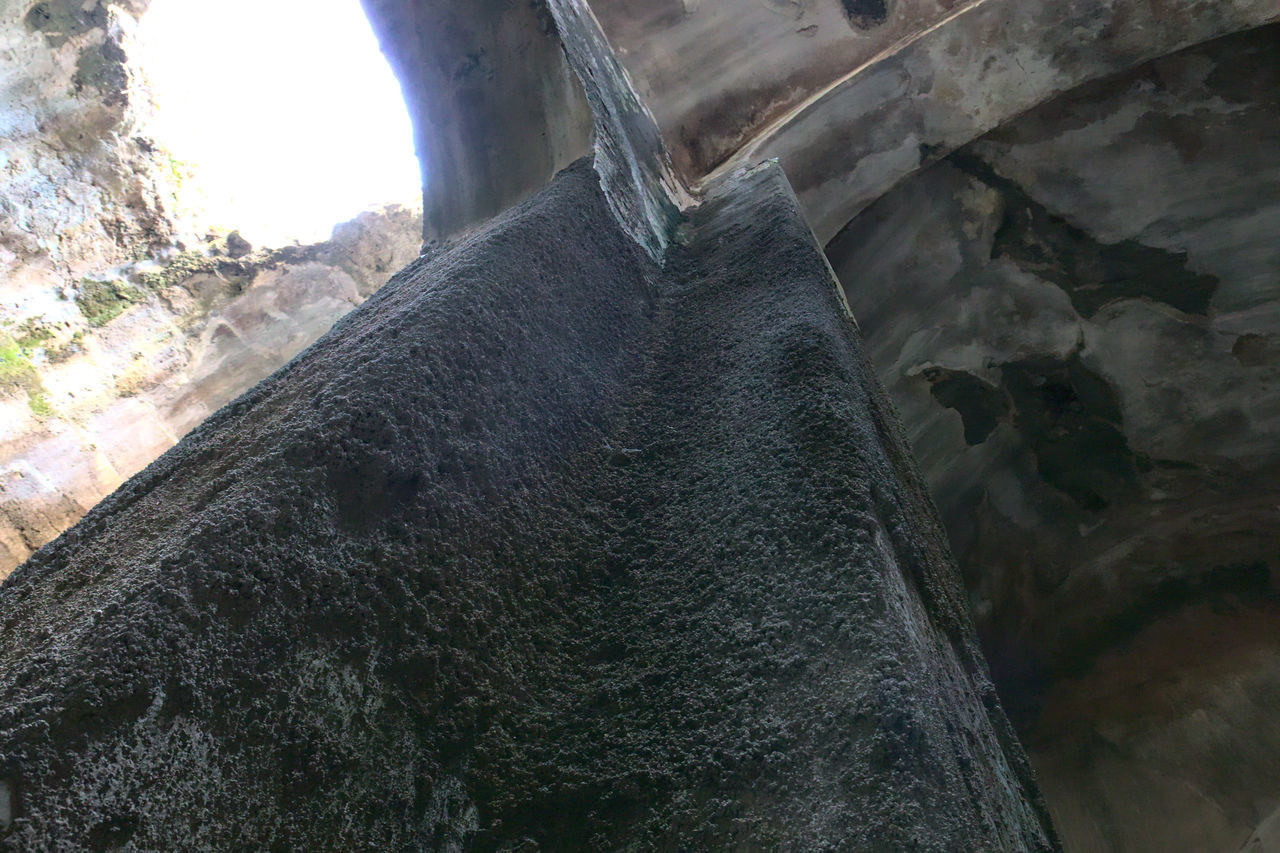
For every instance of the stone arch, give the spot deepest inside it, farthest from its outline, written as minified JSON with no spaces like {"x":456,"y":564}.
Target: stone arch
{"x":496,"y":110}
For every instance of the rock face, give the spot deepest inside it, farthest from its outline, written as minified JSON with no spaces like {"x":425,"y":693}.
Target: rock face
{"x":83,"y":190}
{"x":119,"y":331}
{"x":1058,"y":234}
{"x":99,"y":384}
{"x":853,"y":96}
{"x":543,"y":547}
{"x":1075,"y":316}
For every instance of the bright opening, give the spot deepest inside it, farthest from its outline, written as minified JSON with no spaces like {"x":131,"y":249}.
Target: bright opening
{"x":286,"y":111}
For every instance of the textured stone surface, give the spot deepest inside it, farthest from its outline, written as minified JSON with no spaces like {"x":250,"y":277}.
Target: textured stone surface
{"x":1077,"y":315}
{"x":1074,"y":316}
{"x":634,"y":165}
{"x":541,"y":548}
{"x":82,"y":189}
{"x":88,"y":401}
{"x":117,"y":332}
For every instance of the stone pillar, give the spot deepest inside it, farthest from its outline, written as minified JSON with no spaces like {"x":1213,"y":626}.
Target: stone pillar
{"x":544,"y":547}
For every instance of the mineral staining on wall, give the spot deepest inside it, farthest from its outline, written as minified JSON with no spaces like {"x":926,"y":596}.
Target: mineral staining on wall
{"x":1090,"y":398}
{"x":1075,"y":316}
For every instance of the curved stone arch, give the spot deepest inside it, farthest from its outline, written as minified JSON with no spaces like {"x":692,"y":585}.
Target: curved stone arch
{"x":847,"y":145}
{"x":495,"y":109}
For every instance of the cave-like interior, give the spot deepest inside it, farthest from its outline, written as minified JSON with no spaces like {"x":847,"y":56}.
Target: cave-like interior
{"x":785,"y":425}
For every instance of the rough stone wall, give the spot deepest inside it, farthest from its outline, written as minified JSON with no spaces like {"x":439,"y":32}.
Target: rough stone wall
{"x":119,"y":367}
{"x":120,"y":329}
{"x":745,"y":65}
{"x":542,"y":548}
{"x":83,"y":191}
{"x":1077,"y":318}
{"x":1085,"y":361}
{"x":854,"y":96}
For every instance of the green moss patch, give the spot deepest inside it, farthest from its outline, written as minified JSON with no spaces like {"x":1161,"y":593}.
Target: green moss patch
{"x":236,"y":273}
{"x":13,"y":364}
{"x":39,"y":404}
{"x":17,"y":373}
{"x":33,"y":333}
{"x":102,"y":301}
{"x":182,"y":267}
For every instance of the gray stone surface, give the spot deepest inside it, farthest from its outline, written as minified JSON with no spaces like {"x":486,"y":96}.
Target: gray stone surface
{"x":956,"y":76}
{"x":540,"y":548}
{"x":496,"y":110}
{"x":634,"y":165}
{"x":1077,"y":315}
{"x":1074,"y":317}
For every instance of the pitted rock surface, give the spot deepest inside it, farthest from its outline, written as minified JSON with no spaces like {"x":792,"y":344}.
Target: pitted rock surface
{"x":542,"y":548}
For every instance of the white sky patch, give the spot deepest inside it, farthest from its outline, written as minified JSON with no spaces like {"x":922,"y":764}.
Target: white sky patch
{"x":286,"y":109}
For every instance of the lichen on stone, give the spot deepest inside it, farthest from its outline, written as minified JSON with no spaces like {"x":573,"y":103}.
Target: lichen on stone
{"x":39,"y":404}
{"x":103,"y":67}
{"x":62,"y":351}
{"x":182,"y":267}
{"x":134,"y":378}
{"x":34,"y":332}
{"x":102,"y":301}
{"x":14,"y":365}
{"x":18,"y":373}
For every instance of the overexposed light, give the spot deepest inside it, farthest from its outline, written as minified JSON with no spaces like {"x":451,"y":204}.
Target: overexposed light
{"x":286,"y":110}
